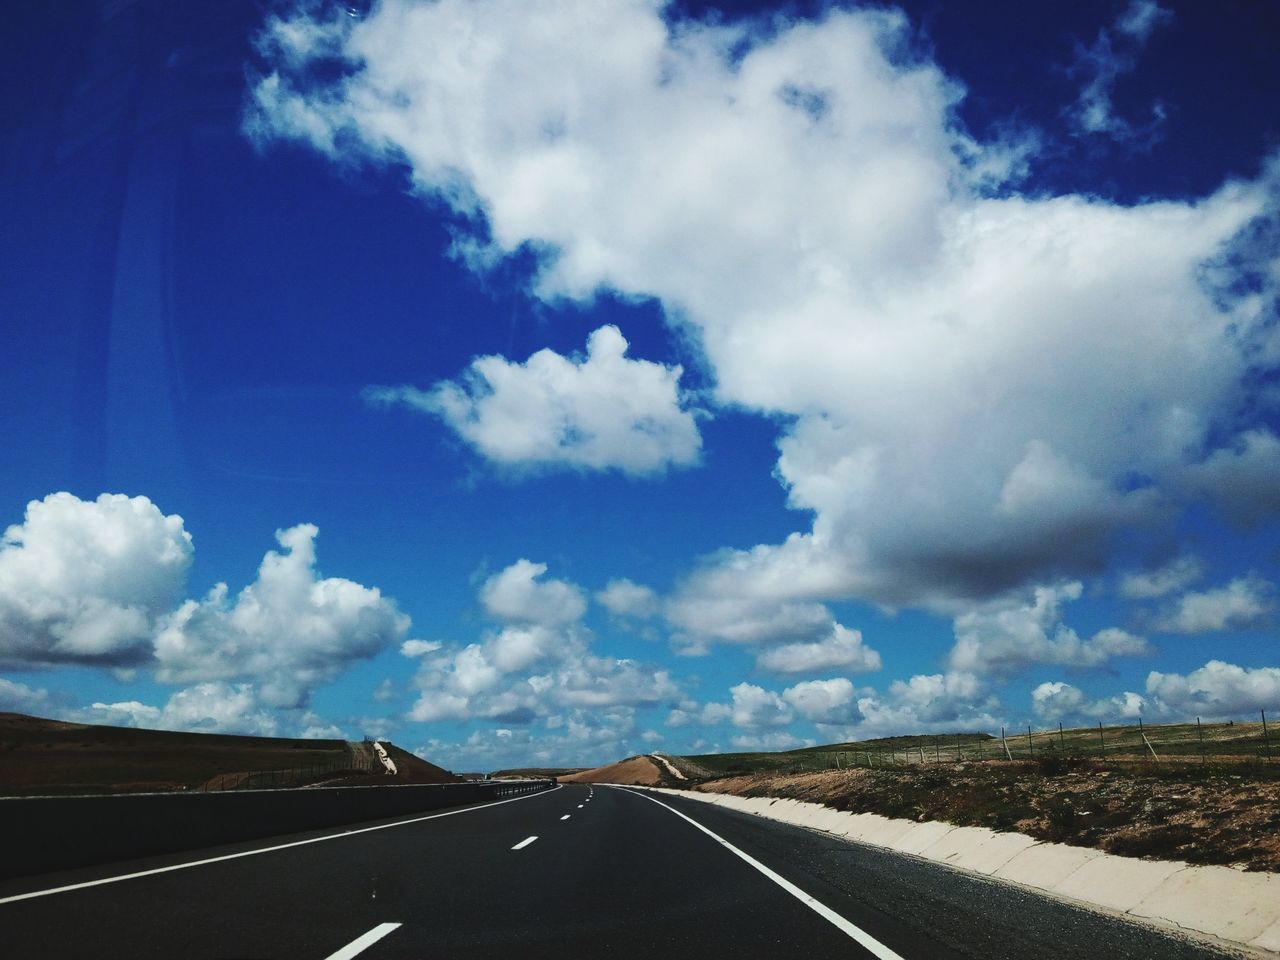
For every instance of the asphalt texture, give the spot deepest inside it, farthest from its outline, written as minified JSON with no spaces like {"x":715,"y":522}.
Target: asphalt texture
{"x":621,"y":877}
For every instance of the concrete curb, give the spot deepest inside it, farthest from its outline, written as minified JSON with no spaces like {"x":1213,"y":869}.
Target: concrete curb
{"x":1226,"y":905}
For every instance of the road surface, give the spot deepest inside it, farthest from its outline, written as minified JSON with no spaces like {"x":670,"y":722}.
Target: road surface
{"x":573,"y":872}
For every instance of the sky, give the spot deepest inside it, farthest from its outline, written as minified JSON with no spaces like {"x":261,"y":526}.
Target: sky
{"x":545,"y":384}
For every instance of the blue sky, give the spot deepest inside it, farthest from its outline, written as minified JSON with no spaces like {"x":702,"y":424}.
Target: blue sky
{"x":544,"y":386}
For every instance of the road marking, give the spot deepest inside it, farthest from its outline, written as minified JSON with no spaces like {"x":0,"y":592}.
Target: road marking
{"x":565,"y":817}
{"x":524,"y":843}
{"x":870,"y":943}
{"x":579,"y":806}
{"x":363,"y":942}
{"x":253,"y":853}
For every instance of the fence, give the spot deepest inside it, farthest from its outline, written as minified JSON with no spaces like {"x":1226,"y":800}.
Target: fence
{"x":359,"y":760}
{"x":1219,"y":743}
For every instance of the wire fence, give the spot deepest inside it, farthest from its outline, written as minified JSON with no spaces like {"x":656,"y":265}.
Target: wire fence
{"x":1164,"y":744}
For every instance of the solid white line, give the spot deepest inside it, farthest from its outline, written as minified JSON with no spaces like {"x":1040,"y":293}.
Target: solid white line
{"x":525,"y":842}
{"x":857,"y":933}
{"x":579,"y":806}
{"x":363,"y":942}
{"x":253,"y":853}
{"x":565,"y":817}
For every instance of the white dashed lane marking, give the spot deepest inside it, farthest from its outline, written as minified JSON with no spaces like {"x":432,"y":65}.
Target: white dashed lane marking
{"x":524,"y":843}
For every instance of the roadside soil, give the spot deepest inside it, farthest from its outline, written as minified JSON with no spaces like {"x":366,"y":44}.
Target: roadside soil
{"x":641,"y":771}
{"x":1196,"y":815}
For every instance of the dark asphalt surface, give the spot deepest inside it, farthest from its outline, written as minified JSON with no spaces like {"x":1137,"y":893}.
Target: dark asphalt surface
{"x":622,"y":877}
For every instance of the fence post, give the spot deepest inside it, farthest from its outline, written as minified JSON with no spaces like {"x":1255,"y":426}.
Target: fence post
{"x":1030,"y":746}
{"x":1200,"y":731}
{"x":1062,"y":742}
{"x":1266,"y":740}
{"x":1102,"y":741}
{"x":937,"y":751}
{"x":1005,"y":744}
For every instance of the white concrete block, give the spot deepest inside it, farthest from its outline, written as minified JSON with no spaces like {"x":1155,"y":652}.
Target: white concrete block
{"x":956,"y":842}
{"x":1217,"y":900}
{"x":999,"y":849}
{"x":1120,"y":883}
{"x":922,"y":835}
{"x":1046,"y":865}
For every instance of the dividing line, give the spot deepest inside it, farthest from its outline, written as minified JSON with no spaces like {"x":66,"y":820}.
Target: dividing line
{"x":565,"y":817}
{"x":579,"y":806}
{"x":253,"y":853}
{"x":363,"y":942}
{"x":878,"y":949}
{"x":524,"y":843}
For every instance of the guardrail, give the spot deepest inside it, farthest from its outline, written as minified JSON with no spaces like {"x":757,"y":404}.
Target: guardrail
{"x":42,"y":834}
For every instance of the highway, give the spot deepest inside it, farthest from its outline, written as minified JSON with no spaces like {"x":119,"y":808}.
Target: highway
{"x":577,"y":871}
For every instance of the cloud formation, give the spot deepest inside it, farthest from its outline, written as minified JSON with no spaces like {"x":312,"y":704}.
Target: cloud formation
{"x":84,"y":581}
{"x":598,"y":412}
{"x":971,"y":379}
{"x":288,"y":631}
{"x":1004,"y":636}
{"x":1113,"y":53}
{"x":203,"y":708}
{"x":537,"y":664}
{"x":1217,"y":690}
{"x":1244,"y":603}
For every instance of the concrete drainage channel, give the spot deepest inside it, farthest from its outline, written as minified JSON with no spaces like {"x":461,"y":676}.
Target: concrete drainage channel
{"x":41,"y":834}
{"x":1240,"y":909}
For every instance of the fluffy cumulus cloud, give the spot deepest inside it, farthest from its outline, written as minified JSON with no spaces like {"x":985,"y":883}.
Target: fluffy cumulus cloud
{"x":536,"y":664}
{"x":84,"y":581}
{"x":843,"y":650}
{"x":930,"y":703}
{"x":289,"y":630}
{"x":825,"y":701}
{"x":587,"y":737}
{"x":205,"y":708}
{"x":625,"y":598}
{"x":971,"y":378}
{"x":1217,"y":690}
{"x":1112,"y":54}
{"x":1056,"y":701}
{"x":1003,"y":636}
{"x":519,"y":593}
{"x":593,"y":413}
{"x":17,"y":697}
{"x":1244,"y":603}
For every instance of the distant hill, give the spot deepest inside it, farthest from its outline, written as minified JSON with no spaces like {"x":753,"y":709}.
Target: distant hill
{"x":642,"y":771}
{"x":42,"y":756}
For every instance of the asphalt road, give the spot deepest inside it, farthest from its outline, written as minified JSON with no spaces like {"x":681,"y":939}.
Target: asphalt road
{"x":611,"y":874}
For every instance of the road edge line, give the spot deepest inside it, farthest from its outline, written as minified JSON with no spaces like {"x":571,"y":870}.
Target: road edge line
{"x":864,"y":939}
{"x":67,"y":888}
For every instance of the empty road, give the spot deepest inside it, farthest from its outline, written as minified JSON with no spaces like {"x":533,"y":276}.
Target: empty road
{"x":572,"y":872}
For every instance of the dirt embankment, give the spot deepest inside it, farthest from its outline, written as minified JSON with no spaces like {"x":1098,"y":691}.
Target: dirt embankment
{"x":641,"y":771}
{"x":1196,"y":816}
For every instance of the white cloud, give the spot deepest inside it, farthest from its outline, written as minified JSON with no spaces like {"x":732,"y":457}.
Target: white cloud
{"x":289,"y":630}
{"x":652,"y":736}
{"x":419,"y":648}
{"x":778,"y":740}
{"x":1150,"y":584}
{"x":843,"y":649}
{"x":1111,"y":55}
{"x":1006,"y":635}
{"x":825,"y":701}
{"x":970,"y":380}
{"x":84,"y":581}
{"x":1246,"y":602}
{"x":519,"y":594}
{"x":594,"y":413}
{"x":754,"y":707}
{"x":19,"y":698}
{"x":1055,"y":701}
{"x":576,"y":738}
{"x":625,"y":598}
{"x":204,"y":708}
{"x":1216,"y":690}
{"x":931,"y":702}
{"x":538,"y":663}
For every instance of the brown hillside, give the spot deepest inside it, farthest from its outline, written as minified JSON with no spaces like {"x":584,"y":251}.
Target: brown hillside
{"x":638,"y":770}
{"x":40,"y":756}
